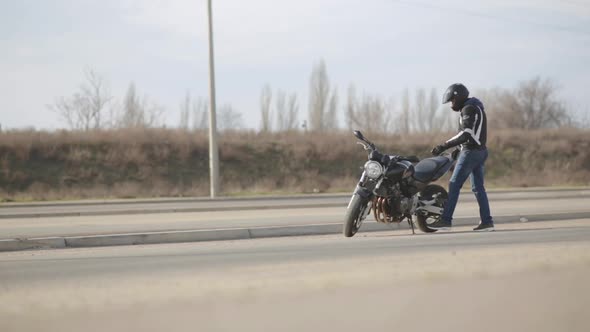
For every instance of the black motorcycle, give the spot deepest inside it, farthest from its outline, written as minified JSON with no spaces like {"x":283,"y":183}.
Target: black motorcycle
{"x":396,"y":188}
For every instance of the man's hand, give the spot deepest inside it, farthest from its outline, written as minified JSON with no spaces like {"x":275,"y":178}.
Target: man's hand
{"x":437,"y":150}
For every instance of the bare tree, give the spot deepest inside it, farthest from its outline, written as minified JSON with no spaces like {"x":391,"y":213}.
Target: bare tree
{"x":331,"y":116}
{"x":404,"y":123}
{"x":420,"y":115}
{"x":492,"y":100}
{"x":581,"y":120}
{"x":350,"y":108}
{"x":69,"y":110}
{"x":265,"y":109}
{"x":389,"y":124}
{"x":281,"y":110}
{"x":292,"y":112}
{"x":319,"y":98}
{"x":286,"y":111}
{"x":185,"y":110}
{"x":229,"y":118}
{"x":138,"y":112}
{"x":435,"y":122}
{"x":426,"y":115}
{"x":85,"y":109}
{"x":200,"y":114}
{"x":371,"y":114}
{"x":98,"y":97}
{"x":534,"y":105}
{"x":132,"y":115}
{"x":439,"y":118}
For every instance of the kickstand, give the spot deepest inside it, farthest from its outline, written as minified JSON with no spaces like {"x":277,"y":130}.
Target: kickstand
{"x":411,"y":225}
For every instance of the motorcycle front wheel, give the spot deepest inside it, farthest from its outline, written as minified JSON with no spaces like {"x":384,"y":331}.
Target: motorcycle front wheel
{"x":353,"y":218}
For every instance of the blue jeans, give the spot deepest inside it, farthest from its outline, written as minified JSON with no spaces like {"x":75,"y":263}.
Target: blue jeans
{"x":470,"y":164}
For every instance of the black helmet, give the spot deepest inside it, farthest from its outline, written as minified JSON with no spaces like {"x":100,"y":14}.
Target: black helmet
{"x":457,"y":91}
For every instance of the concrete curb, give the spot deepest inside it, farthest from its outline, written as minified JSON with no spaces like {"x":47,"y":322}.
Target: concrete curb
{"x":240,"y":233}
{"x":35,"y":243}
{"x":156,"y":237}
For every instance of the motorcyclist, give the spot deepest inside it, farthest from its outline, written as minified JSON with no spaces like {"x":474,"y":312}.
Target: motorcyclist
{"x":472,"y":138}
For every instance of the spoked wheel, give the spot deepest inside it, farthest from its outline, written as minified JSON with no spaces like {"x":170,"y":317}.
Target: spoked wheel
{"x":355,"y":213}
{"x":429,"y":193}
{"x":424,"y":220}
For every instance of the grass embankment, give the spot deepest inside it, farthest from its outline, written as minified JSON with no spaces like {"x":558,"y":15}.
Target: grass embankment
{"x":163,"y":162}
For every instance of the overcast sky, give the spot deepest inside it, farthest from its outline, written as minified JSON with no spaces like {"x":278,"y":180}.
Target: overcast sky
{"x":382,"y":46}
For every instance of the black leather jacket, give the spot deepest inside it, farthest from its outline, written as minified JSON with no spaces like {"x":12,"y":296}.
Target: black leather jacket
{"x":472,"y":126}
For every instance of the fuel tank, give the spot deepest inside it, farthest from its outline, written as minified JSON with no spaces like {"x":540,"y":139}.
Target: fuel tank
{"x":400,"y":170}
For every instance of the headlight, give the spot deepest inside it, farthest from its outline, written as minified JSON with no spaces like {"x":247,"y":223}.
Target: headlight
{"x":373,"y":169}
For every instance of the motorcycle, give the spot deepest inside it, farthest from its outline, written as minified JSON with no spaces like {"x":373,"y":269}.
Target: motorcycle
{"x":397,"y":188}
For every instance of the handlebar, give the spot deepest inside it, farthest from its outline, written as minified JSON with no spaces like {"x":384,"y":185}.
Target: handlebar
{"x":412,"y":159}
{"x":369,"y":146}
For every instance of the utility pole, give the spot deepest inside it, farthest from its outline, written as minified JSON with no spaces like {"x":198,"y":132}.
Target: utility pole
{"x":213,"y":149}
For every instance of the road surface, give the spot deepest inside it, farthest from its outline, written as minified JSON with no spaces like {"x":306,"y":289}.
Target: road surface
{"x":134,"y":206}
{"x":523,"y":277}
{"x":264,"y":213}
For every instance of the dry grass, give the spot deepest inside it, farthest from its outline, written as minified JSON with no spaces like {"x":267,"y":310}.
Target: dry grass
{"x":164,"y":162}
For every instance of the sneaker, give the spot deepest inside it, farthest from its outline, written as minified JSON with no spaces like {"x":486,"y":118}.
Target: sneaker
{"x":487,"y":227}
{"x":440,"y":225}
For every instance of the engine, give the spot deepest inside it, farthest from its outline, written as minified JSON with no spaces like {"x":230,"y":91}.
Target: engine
{"x":391,"y":209}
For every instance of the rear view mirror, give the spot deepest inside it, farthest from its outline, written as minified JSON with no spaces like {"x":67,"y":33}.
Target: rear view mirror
{"x":359,"y":135}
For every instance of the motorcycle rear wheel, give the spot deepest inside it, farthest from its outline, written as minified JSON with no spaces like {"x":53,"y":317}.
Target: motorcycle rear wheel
{"x":422,"y":220}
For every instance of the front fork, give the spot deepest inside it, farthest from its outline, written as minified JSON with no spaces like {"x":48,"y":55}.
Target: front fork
{"x":367,"y":197}
{"x":364,"y":193}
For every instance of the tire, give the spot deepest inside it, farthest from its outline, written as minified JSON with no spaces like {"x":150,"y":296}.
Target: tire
{"x":422,"y":220}
{"x":353,"y":213}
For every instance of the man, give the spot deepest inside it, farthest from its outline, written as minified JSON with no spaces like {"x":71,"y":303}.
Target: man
{"x":472,"y":138}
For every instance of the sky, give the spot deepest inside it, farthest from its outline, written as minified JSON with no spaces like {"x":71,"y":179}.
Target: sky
{"x":380,"y":46}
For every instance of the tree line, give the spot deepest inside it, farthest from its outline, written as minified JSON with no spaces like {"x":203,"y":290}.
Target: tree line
{"x":93,"y":106}
{"x":533,"y":104}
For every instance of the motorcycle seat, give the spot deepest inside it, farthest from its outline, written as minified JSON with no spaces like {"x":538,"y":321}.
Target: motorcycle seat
{"x":430,"y":169}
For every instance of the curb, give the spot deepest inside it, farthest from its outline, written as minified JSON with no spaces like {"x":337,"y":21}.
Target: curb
{"x":156,"y":237}
{"x":239,"y":233}
{"x":35,"y":243}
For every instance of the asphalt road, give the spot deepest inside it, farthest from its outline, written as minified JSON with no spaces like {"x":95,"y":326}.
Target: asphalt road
{"x":266,"y":214}
{"x":115,"y":207}
{"x":523,"y":277}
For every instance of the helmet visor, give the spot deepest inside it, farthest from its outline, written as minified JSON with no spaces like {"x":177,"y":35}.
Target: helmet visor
{"x":448,"y":96}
